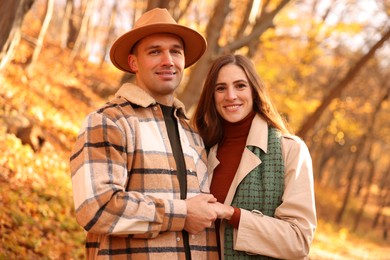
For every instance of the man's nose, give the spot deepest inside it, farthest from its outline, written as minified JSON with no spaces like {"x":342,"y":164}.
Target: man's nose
{"x":167,"y":59}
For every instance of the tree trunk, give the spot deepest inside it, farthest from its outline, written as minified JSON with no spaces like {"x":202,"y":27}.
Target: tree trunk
{"x":111,"y":30}
{"x":338,"y":89}
{"x":158,"y":3}
{"x":341,"y":163}
{"x":360,"y":146}
{"x":383,"y":198}
{"x":41,"y":37}
{"x":83,"y":30}
{"x":370,"y":180}
{"x":8,"y":14}
{"x":74,"y":24}
{"x":11,"y":18}
{"x":66,"y":21}
{"x":350,"y":178}
{"x":360,"y":184}
{"x":378,"y":215}
{"x":191,"y":91}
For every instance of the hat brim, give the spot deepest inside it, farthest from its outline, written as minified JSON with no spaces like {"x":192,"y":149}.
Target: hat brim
{"x":194,"y":43}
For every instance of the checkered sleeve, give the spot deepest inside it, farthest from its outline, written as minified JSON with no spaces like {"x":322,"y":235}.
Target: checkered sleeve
{"x":99,"y":168}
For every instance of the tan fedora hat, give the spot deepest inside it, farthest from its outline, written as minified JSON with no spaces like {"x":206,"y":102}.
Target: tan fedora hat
{"x":157,"y":20}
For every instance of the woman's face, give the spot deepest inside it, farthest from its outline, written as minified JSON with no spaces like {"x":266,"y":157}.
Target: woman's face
{"x":233,"y":94}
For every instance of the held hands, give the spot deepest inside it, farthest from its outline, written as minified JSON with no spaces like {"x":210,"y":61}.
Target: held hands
{"x":203,"y":210}
{"x":199,"y":213}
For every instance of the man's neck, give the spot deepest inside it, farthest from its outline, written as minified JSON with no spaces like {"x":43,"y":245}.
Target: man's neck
{"x":166,"y":99}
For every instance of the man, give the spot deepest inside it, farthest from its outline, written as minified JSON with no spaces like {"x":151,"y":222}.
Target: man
{"x":139,"y":171}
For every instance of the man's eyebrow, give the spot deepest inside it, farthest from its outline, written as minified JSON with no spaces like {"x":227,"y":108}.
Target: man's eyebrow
{"x":152,"y":47}
{"x":175,"y":46}
{"x":179,"y":46}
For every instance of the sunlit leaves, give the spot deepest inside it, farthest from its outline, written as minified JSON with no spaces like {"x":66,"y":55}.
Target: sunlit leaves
{"x":299,"y":60}
{"x":36,"y":203}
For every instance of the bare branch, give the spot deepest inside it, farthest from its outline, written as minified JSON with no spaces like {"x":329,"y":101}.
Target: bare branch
{"x":264,"y":22}
{"x":337,"y":90}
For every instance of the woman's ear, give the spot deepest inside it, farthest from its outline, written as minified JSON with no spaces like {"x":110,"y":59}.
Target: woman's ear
{"x":132,"y":61}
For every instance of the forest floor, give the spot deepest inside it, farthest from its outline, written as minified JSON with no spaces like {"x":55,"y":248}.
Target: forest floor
{"x":37,"y":215}
{"x":338,"y":241}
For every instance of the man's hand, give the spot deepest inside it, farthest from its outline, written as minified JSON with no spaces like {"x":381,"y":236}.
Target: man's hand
{"x":200,"y":215}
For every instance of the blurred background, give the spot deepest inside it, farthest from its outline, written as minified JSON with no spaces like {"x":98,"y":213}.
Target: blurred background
{"x":325,"y":62}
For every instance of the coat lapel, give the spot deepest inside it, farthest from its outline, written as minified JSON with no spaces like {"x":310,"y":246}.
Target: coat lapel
{"x":258,"y":136}
{"x":248,"y":162}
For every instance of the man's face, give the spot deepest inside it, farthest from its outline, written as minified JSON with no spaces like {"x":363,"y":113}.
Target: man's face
{"x":158,"y":62}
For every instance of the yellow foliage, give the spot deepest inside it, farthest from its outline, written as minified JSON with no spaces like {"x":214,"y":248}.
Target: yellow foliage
{"x":37,"y":215}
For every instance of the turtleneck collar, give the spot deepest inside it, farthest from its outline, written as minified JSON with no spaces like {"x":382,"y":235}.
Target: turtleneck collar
{"x":240,"y":128}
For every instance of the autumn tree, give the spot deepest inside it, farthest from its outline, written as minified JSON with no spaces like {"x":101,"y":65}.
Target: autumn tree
{"x":364,"y":141}
{"x":11,"y":18}
{"x":336,"y":91}
{"x":49,"y":7}
{"x":221,"y":23}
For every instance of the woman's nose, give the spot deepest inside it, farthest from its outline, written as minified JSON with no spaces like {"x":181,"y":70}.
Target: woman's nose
{"x":231,"y":94}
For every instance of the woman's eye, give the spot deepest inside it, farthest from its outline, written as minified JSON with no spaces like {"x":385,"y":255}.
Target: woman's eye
{"x":219,"y":88}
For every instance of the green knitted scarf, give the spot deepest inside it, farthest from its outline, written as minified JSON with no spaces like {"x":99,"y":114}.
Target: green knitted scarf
{"x":261,"y":189}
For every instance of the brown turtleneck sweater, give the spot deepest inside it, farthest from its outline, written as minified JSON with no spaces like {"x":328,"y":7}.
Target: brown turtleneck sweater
{"x":229,"y":155}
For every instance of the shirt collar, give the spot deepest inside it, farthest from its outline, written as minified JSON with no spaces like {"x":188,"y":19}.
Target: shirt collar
{"x":136,"y":95}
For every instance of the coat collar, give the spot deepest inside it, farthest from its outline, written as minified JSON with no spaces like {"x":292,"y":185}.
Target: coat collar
{"x":258,"y":136}
{"x":136,"y":95}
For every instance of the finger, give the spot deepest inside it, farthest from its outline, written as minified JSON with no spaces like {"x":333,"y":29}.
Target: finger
{"x":212,"y":200}
{"x":210,"y":197}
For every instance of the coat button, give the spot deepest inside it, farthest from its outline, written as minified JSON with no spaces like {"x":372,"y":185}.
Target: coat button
{"x":257,"y":212}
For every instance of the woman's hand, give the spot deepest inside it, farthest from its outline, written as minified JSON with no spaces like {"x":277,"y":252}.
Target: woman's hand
{"x":223,"y":211}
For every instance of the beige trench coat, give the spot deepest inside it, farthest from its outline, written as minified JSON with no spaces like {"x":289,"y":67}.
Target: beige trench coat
{"x":289,"y":234}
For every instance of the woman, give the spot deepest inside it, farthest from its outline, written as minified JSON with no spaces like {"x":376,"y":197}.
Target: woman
{"x":260,"y":172}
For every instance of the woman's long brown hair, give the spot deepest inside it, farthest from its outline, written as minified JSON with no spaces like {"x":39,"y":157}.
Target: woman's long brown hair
{"x":206,"y":118}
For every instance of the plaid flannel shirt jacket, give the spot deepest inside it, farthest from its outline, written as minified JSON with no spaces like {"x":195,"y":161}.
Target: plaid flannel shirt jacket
{"x":125,"y":189}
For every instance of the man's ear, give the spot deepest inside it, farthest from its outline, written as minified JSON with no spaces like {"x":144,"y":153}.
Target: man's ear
{"x":131,"y":60}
